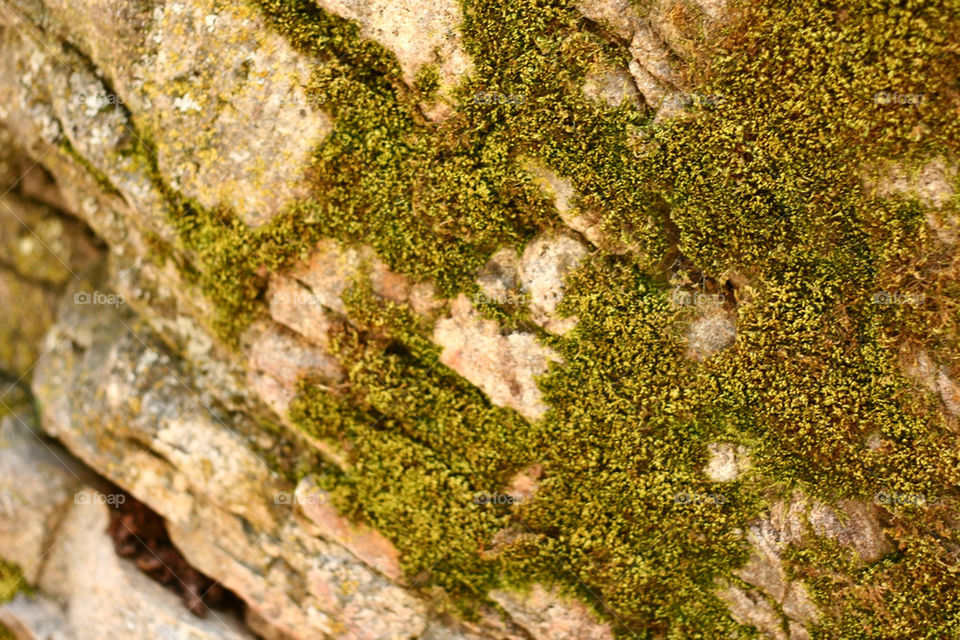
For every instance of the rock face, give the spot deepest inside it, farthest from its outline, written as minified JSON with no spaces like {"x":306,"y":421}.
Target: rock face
{"x":779,"y":602}
{"x":657,"y":51}
{"x":313,"y":337}
{"x":157,"y":439}
{"x":110,"y":597}
{"x":420,"y":34}
{"x":54,"y":525}
{"x":503,"y":366}
{"x":544,"y":613}
{"x":221,"y":95}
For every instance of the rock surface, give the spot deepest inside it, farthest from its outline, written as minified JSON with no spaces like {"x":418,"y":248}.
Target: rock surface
{"x":505,"y":367}
{"x":547,"y":616}
{"x":222,"y":504}
{"x":657,"y":49}
{"x":154,"y":153}
{"x":420,"y":34}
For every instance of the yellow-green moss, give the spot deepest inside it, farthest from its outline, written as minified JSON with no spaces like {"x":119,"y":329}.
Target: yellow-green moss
{"x":766,"y":183}
{"x":11,"y":581}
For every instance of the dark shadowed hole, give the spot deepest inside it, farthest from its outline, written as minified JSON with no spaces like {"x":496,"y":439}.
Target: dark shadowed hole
{"x":140,"y":534}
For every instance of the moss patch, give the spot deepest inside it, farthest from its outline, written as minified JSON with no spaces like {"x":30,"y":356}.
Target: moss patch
{"x":11,"y":581}
{"x":762,"y":187}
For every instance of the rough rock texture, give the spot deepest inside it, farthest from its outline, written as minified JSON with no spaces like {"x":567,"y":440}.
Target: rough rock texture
{"x":55,"y":528}
{"x":727,"y":461}
{"x":852,"y":524}
{"x":39,"y":480}
{"x":543,"y":266}
{"x":222,"y":97}
{"x":610,"y":85}
{"x":157,"y":440}
{"x":278,"y":270}
{"x":544,"y":613}
{"x":420,"y":34}
{"x":711,"y":331}
{"x":934,"y":377}
{"x":933,"y":183}
{"x":505,"y":367}
{"x":657,"y":48}
{"x":109,"y":596}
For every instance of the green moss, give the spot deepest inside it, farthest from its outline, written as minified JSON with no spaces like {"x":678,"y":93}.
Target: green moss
{"x":427,"y":82}
{"x":763,"y":187}
{"x":11,"y":581}
{"x":422,"y":443}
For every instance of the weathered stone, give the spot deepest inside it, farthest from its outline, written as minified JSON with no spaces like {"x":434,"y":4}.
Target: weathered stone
{"x":611,"y":86}
{"x":548,"y":616}
{"x":41,"y":250}
{"x":949,"y":392}
{"x":652,"y":63}
{"x":918,"y":365}
{"x":35,"y":618}
{"x":851,"y":523}
{"x":221,"y":503}
{"x":242,"y":78}
{"x":751,"y":608}
{"x":505,"y":367}
{"x":545,"y":263}
{"x":932,"y":183}
{"x":298,"y":308}
{"x":312,"y":295}
{"x":523,"y":485}
{"x":133,"y":104}
{"x":278,"y":361}
{"x":239,"y":133}
{"x":854,"y":524}
{"x":784,"y":524}
{"x":726,"y":462}
{"x":242,"y":131}
{"x":419,"y":33}
{"x":617,"y":15}
{"x":712,"y":331}
{"x":38,"y":480}
{"x":587,"y":222}
{"x":108,"y":597}
{"x":652,"y":66}
{"x":365,"y":543}
{"x":659,"y":45}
